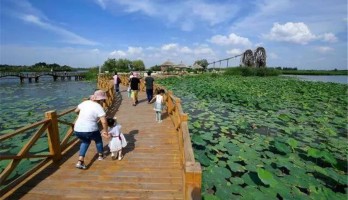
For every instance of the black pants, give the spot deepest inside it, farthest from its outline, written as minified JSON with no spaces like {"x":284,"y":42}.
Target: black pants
{"x":149,"y":94}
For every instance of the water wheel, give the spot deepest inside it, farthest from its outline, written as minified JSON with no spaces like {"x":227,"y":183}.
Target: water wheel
{"x":260,"y":57}
{"x":248,"y":58}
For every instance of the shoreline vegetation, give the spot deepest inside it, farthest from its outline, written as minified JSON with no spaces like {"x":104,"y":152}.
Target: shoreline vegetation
{"x":243,"y":71}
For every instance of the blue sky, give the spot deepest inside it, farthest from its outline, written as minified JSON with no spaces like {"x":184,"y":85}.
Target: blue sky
{"x":309,"y":34}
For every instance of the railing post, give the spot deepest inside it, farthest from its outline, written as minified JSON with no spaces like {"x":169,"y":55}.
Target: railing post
{"x":53,"y":135}
{"x":193,"y":180}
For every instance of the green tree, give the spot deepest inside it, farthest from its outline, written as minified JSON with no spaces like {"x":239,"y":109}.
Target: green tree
{"x":138,"y":65}
{"x":155,"y":68}
{"x":204,"y":63}
{"x":109,"y":65}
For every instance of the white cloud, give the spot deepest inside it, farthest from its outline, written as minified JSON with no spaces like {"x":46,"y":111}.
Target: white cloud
{"x":185,"y":14}
{"x":135,"y":50}
{"x":291,"y":32}
{"x":234,"y":52}
{"x":204,"y":51}
{"x":169,"y":47}
{"x":329,"y":37}
{"x":212,"y":13}
{"x":324,"y":49}
{"x":101,"y":3}
{"x":185,"y":50}
{"x":118,"y":53}
{"x":27,"y":13}
{"x":231,"y":39}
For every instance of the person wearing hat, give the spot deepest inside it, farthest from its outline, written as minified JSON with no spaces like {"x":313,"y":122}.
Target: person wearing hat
{"x":86,"y":126}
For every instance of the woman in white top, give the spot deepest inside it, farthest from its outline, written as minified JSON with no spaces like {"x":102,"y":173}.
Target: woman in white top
{"x":86,"y":126}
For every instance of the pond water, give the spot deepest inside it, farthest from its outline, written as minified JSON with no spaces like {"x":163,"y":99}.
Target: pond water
{"x":334,"y":79}
{"x":25,"y":103}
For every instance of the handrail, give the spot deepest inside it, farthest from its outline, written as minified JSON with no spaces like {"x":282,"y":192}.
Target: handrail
{"x":192,"y":169}
{"x":57,"y":146}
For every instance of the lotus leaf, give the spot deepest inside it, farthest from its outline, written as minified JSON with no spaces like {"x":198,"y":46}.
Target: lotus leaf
{"x":235,"y":167}
{"x":198,"y":140}
{"x":232,"y":148}
{"x":328,"y":157}
{"x":224,"y":191}
{"x":251,"y":192}
{"x":293,"y":143}
{"x":266,"y":177}
{"x":282,"y":147}
{"x":236,"y":181}
{"x":210,"y":197}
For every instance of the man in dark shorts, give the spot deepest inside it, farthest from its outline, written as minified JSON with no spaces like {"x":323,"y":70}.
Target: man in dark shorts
{"x":149,"y":86}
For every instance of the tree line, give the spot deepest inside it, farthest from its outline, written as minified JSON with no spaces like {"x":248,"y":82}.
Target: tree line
{"x":37,"y":67}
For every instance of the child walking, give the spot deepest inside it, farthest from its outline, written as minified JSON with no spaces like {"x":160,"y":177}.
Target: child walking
{"x":118,"y":141}
{"x":158,"y":107}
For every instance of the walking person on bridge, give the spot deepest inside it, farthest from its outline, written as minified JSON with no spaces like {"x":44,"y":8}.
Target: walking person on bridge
{"x":86,"y":126}
{"x":118,"y":141}
{"x":159,"y":104}
{"x":149,"y":86}
{"x":135,"y":87}
{"x":117,"y":82}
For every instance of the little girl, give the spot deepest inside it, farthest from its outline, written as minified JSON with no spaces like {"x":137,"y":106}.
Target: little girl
{"x":118,"y":141}
{"x":158,"y":107}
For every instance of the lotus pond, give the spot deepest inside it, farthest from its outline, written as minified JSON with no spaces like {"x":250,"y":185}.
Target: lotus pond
{"x":23,"y":104}
{"x":266,"y":138}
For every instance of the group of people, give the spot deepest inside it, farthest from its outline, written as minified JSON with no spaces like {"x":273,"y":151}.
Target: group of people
{"x":90,"y":112}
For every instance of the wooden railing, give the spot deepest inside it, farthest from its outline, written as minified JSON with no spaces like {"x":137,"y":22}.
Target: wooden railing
{"x":192,"y":169}
{"x":57,"y":142}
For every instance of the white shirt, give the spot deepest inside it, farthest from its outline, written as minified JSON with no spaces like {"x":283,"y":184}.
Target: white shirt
{"x":159,"y":98}
{"x":90,"y":112}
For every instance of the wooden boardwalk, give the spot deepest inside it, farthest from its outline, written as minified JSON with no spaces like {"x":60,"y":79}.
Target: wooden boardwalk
{"x":150,"y":169}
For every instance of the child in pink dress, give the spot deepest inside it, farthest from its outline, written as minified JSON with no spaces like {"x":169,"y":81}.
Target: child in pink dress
{"x":118,"y":141}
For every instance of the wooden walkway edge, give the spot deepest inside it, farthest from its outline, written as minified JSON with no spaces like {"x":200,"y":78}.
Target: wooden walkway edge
{"x":151,"y":167}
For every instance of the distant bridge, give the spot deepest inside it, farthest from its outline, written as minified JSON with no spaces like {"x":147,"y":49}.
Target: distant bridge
{"x":36,"y":75}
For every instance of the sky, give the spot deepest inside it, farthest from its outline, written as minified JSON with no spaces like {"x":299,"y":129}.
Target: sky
{"x":310,"y":34}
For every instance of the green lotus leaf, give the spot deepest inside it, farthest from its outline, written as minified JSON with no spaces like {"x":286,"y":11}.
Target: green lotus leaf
{"x":251,"y":192}
{"x":340,"y":177}
{"x":237,"y":181}
{"x":292,"y":142}
{"x":202,"y":158}
{"x":251,"y":167}
{"x":328,"y":157}
{"x":266,"y":177}
{"x":198,"y":140}
{"x":210,"y":197}
{"x":315,"y":153}
{"x":284,"y":117}
{"x":282,"y":147}
{"x":220,"y":172}
{"x":224,"y":190}
{"x":196,"y":124}
{"x":222,"y":164}
{"x":235,"y":167}
{"x":232,"y":148}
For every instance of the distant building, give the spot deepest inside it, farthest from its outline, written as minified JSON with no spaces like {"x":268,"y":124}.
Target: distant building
{"x":197,"y":67}
{"x":166,"y":65}
{"x":180,"y":67}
